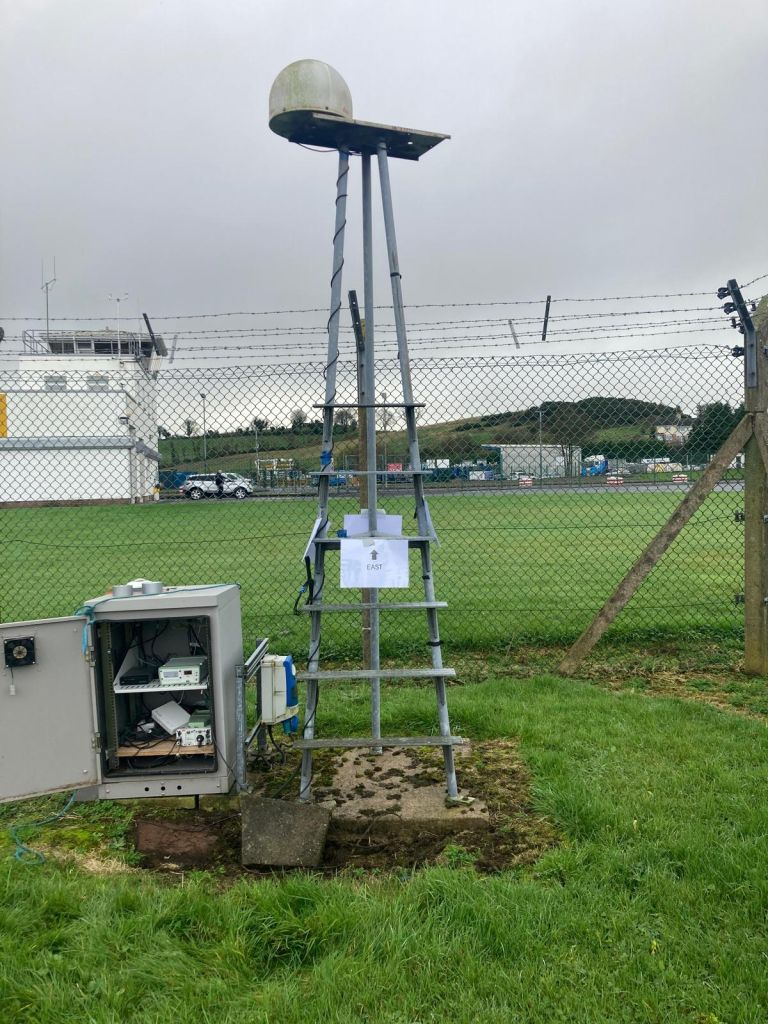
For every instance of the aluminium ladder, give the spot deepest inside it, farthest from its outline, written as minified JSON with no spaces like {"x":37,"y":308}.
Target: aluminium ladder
{"x":321,"y":542}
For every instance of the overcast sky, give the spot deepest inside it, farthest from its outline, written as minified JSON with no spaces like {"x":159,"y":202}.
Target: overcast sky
{"x":597,"y":149}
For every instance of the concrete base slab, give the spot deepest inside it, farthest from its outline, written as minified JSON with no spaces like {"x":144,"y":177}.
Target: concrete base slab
{"x":277,"y":833}
{"x":395,"y":792}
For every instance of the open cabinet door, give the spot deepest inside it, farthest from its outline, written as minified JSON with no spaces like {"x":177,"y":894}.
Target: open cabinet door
{"x":47,"y":732}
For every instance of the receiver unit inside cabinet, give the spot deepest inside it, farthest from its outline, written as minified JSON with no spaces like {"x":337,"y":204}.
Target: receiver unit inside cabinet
{"x":130,"y":655}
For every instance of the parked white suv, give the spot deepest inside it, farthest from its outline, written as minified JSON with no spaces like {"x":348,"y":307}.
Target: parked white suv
{"x":203,"y":485}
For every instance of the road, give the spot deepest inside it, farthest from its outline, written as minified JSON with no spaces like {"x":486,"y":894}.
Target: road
{"x":489,"y":489}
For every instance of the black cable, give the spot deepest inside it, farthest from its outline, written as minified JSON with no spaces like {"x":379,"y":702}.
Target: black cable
{"x":307,"y":587}
{"x":197,"y":639}
{"x":278,"y":746}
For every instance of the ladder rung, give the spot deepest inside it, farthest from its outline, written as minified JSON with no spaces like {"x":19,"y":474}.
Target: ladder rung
{"x":380,"y":673}
{"x":391,"y":606}
{"x":336,"y":541}
{"x":384,"y":741}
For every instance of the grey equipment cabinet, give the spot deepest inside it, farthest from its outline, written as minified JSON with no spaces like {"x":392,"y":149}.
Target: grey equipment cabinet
{"x":69,"y":720}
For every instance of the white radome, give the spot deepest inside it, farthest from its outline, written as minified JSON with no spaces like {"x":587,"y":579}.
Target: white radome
{"x":305,"y":87}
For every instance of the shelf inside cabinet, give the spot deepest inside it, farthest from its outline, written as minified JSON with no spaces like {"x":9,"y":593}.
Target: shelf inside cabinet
{"x":157,"y":687}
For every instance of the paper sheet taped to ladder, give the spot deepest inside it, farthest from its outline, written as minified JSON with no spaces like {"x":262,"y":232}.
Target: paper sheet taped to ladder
{"x":374,"y":562}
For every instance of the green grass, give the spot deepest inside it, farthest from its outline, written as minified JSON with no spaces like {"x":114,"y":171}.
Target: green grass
{"x":512,"y":567}
{"x":650,"y":909}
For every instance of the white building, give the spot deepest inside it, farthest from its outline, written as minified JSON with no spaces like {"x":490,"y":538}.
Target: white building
{"x":545,"y":460}
{"x":78,"y":418}
{"x":673,"y":433}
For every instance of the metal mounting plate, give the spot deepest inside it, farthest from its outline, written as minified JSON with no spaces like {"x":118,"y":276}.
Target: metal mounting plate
{"x":313,"y":129}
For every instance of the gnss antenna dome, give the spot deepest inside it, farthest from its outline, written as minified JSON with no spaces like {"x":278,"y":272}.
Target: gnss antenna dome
{"x":304,"y":88}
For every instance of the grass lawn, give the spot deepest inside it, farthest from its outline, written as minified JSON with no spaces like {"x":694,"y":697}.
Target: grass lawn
{"x":511,"y":566}
{"x":650,"y":908}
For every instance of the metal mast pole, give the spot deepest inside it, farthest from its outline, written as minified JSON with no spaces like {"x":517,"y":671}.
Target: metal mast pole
{"x":205,"y":432}
{"x":422,"y":514}
{"x":369,"y":399}
{"x":46,"y":287}
{"x":362,"y":456}
{"x":541,"y":461}
{"x":326,"y":456}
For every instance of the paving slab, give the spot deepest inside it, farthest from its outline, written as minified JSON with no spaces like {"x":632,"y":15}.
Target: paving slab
{"x":278,"y":833}
{"x":395,"y":792}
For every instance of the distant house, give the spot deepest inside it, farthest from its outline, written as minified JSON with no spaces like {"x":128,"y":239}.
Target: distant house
{"x":673,"y":433}
{"x":78,"y":418}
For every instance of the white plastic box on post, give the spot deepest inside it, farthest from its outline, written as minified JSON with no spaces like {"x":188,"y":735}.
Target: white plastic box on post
{"x":279,"y":695}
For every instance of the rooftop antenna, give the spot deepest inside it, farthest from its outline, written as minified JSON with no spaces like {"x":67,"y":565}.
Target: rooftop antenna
{"x":118,"y":298}
{"x":45,"y":286}
{"x":310,"y":104}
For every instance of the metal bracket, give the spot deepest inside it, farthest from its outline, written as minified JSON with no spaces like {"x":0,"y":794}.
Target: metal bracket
{"x":748,"y":329}
{"x":738,"y":599}
{"x":459,"y":801}
{"x":739,"y":517}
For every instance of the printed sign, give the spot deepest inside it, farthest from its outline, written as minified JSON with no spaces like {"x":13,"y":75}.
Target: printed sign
{"x":356,"y":523}
{"x":374,"y":562}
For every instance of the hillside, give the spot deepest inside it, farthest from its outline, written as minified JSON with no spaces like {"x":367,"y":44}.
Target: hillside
{"x":615,"y":427}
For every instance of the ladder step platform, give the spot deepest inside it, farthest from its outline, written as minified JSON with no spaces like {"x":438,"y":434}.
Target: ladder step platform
{"x":380,"y":673}
{"x":384,"y":741}
{"x":387,"y":606}
{"x":335,"y":542}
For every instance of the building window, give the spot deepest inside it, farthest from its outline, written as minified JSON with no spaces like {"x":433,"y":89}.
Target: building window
{"x":98,"y":382}
{"x":56,"y":382}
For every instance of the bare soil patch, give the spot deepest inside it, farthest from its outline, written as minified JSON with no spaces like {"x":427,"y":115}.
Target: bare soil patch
{"x":502,"y":830}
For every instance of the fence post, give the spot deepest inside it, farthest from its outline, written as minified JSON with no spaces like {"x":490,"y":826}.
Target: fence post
{"x":756,"y":505}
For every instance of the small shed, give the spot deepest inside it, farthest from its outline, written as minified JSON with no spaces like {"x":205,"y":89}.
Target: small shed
{"x":537,"y":460}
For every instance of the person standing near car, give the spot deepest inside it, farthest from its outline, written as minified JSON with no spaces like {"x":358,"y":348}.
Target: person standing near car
{"x":219,"y":481}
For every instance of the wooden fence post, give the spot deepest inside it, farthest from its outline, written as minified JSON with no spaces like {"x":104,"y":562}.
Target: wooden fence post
{"x":756,"y":511}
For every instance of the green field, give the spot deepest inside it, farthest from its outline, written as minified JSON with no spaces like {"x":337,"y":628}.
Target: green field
{"x":513,"y":567}
{"x":650,"y":908}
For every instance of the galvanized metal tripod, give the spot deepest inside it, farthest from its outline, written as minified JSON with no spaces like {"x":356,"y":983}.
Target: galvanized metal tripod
{"x":316,"y":607}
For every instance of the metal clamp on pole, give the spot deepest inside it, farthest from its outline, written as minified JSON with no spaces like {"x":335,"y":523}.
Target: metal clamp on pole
{"x":745,"y":327}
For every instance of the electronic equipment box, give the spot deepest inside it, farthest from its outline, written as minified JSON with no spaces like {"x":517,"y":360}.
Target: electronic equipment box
{"x":135,"y":696}
{"x":190,"y":671}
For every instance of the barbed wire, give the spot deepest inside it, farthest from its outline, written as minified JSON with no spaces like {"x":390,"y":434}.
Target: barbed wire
{"x":437,"y":337}
{"x":418,"y":326}
{"x":694,"y":352}
{"x":308,"y":353}
{"x":754,"y":280}
{"x":487,"y":341}
{"x":418,"y":305}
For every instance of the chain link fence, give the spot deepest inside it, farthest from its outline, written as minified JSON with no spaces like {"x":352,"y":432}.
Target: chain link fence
{"x":547,"y":475}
